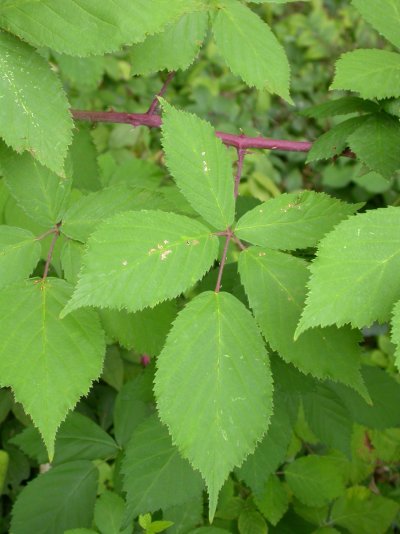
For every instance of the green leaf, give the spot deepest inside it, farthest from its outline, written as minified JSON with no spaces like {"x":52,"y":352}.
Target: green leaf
{"x":78,"y":438}
{"x":129,"y":253}
{"x":214,"y":338}
{"x":200,"y":165}
{"x":34,"y":109}
{"x":329,"y":418}
{"x":145,"y":331}
{"x":84,"y":216}
{"x":334,"y":141}
{"x":19,"y":254}
{"x":40,"y":192}
{"x":376,"y":143}
{"x":273,"y":501}
{"x":276,"y":286}
{"x":349,"y":284}
{"x":106,"y":26}
{"x":109,"y":512}
{"x":384,"y":16}
{"x":293,"y":220}
{"x":384,"y":412}
{"x":250,"y":49}
{"x":270,"y":452}
{"x":371,"y":73}
{"x":314,"y":480}
{"x":85,"y":174}
{"x":251,"y":522}
{"x":340,"y":106}
{"x":85,"y":74}
{"x":49,"y":363}
{"x":134,"y":403}
{"x":153,"y":464}
{"x":175,"y":48}
{"x":39,"y":508}
{"x":362,"y":512}
{"x":185,"y":516}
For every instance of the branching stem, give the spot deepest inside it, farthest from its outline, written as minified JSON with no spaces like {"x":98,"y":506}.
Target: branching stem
{"x":49,"y":232}
{"x":241,"y":141}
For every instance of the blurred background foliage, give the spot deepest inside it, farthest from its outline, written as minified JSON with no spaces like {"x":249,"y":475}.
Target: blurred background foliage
{"x":314,"y":35}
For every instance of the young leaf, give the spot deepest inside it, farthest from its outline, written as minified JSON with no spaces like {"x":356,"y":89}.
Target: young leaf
{"x":354,"y":276}
{"x":39,"y":505}
{"x":130,"y":253}
{"x":200,"y":165}
{"x":108,"y":514}
{"x":361,"y":511}
{"x":276,"y":286}
{"x":250,"y":49}
{"x":293,"y":220}
{"x":384,"y":16}
{"x":334,"y":141}
{"x":49,"y":363}
{"x":175,"y":48}
{"x":273,"y":502}
{"x":19,"y":254}
{"x":40,"y":192}
{"x":34,"y":109}
{"x":340,"y":106}
{"x":376,"y":143}
{"x":107,"y":26}
{"x":152,"y":464}
{"x":371,"y":73}
{"x":84,"y":216}
{"x":314,"y":480}
{"x":214,"y":338}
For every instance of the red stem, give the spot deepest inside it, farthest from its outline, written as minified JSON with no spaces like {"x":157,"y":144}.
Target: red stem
{"x":153,"y":106}
{"x":241,"y":142}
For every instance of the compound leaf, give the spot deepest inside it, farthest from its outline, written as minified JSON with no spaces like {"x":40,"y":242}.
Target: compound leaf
{"x":175,"y":48}
{"x":315,"y":480}
{"x":200,"y":165}
{"x":216,"y":339}
{"x":130,"y":253}
{"x":384,"y":16}
{"x":39,"y":508}
{"x":371,"y":73}
{"x":276,"y":286}
{"x":354,"y":276}
{"x":293,"y":220}
{"x":34,"y":109}
{"x":48,"y":362}
{"x":19,"y":254}
{"x":250,"y":49}
{"x":152,"y":464}
{"x":107,"y":26}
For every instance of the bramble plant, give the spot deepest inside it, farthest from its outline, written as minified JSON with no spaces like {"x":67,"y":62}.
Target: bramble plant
{"x":188,"y":344}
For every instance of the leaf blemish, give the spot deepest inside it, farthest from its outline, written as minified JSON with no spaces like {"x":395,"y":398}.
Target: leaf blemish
{"x":165,"y":254}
